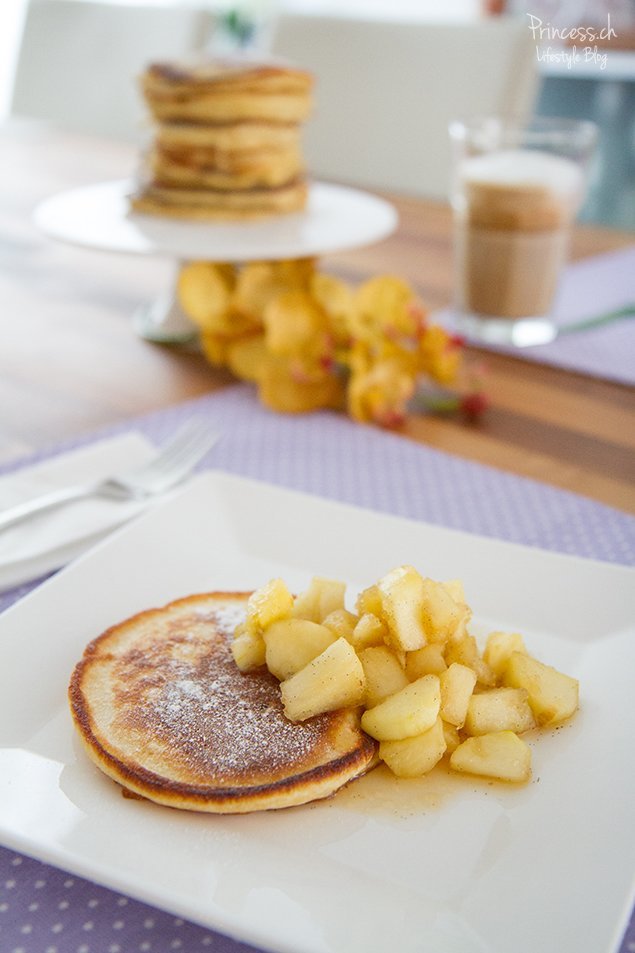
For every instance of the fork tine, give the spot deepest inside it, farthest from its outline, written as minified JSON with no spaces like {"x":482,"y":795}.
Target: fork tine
{"x":188,"y":454}
{"x":189,"y":446}
{"x":192,"y":435}
{"x":184,"y":465}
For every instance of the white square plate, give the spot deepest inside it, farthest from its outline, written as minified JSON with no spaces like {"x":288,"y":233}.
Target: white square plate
{"x":442,"y":865}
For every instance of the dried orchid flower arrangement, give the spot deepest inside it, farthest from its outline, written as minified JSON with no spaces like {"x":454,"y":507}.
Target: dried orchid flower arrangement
{"x":308,"y":340}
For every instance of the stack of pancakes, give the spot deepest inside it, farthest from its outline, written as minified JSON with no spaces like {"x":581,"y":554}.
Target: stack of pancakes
{"x":227,"y":140}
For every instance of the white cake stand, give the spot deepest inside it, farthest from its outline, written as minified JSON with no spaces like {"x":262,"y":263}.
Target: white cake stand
{"x":99,"y":217}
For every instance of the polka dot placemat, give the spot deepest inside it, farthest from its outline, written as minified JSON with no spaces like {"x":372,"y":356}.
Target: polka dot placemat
{"x":44,"y":910}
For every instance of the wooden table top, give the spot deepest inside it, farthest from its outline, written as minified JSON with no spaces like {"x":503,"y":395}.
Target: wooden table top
{"x":70,"y":361}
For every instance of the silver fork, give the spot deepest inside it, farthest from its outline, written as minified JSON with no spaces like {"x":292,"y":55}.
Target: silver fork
{"x":171,"y":465}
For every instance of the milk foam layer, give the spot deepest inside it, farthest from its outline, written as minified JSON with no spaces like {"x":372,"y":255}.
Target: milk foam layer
{"x":518,"y":168}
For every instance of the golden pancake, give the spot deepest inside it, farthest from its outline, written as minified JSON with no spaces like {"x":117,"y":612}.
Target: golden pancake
{"x":212,"y":107}
{"x":229,"y":137}
{"x":224,"y":91}
{"x":199,"y":168}
{"x":225,"y":74}
{"x":216,"y":204}
{"x":162,"y":708}
{"x":233,"y":161}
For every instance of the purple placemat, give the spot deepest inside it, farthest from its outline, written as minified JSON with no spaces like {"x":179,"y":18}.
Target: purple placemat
{"x":590,"y":287}
{"x":44,"y":910}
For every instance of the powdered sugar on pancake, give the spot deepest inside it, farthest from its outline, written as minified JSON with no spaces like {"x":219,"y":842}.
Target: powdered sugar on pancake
{"x":185,"y":692}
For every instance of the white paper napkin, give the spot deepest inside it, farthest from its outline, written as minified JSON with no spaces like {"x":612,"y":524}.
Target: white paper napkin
{"x":50,"y":540}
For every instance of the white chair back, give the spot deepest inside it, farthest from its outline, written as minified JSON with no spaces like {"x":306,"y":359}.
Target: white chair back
{"x":386,"y":92}
{"x":79,"y":61}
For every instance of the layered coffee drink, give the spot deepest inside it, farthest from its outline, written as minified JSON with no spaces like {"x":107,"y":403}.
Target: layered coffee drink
{"x":513,"y":212}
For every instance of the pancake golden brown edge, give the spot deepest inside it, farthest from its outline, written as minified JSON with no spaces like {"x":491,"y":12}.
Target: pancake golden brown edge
{"x":222,"y":91}
{"x":161,"y":708}
{"x":232,"y":137}
{"x":215,"y":204}
{"x":201,"y":168}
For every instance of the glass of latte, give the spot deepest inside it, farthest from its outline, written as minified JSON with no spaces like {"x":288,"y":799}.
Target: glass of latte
{"x":516,"y":192}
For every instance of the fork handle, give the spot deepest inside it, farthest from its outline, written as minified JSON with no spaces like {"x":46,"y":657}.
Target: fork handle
{"x":39,"y":504}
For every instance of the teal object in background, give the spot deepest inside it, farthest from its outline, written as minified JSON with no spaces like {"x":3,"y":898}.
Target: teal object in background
{"x":610,"y":103}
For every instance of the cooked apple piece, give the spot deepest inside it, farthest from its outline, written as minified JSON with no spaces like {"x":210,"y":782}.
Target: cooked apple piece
{"x":498,"y":647}
{"x":384,"y":674}
{"x":248,"y":649}
{"x":501,"y":754}
{"x":334,"y":679}
{"x":292,"y":643}
{"x":409,"y":712}
{"x":402,"y":596}
{"x":399,"y":654}
{"x":553,"y":696}
{"x":456,"y":590}
{"x":342,"y":623}
{"x":426,"y":661}
{"x":322,"y":597}
{"x":369,"y":631}
{"x":442,"y":614}
{"x":369,"y":600}
{"x":457,"y":684}
{"x":414,"y":757}
{"x":451,"y":735}
{"x":271,"y":602}
{"x":499,"y":709}
{"x":465,"y":651}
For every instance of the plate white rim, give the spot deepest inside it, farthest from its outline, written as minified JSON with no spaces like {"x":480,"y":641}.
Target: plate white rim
{"x":98,"y":217}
